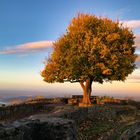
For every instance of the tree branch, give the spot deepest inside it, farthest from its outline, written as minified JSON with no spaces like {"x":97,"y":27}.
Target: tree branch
{"x":71,"y":81}
{"x":82,"y":85}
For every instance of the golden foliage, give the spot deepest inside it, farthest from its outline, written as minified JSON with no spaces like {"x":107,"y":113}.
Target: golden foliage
{"x":92,"y":48}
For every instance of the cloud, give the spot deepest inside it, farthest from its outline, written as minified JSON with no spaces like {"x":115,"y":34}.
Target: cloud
{"x":42,"y":45}
{"x":138,"y":61}
{"x":135,"y":76}
{"x":131,"y":23}
{"x":137,"y":40}
{"x":28,"y":47}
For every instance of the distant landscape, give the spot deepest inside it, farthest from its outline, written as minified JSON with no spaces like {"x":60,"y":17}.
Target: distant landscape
{"x":6,"y":96}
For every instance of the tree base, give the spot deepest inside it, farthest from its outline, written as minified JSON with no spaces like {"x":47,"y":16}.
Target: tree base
{"x":85,"y":105}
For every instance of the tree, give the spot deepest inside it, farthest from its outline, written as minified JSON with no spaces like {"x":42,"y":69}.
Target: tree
{"x":93,"y":49}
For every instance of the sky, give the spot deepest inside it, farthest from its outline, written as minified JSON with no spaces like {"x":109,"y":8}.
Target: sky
{"x":29,"y":27}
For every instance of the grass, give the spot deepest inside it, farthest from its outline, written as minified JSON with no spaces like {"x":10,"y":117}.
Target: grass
{"x":120,"y":130}
{"x":107,"y":129}
{"x":90,"y":130}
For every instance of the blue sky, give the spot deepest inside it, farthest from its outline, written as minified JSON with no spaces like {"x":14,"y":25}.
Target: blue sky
{"x":28,"y":28}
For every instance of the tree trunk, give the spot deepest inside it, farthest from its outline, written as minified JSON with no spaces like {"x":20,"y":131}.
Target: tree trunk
{"x":87,"y":92}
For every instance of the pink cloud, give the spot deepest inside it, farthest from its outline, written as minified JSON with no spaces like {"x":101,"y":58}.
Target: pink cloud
{"x":138,"y":61}
{"x":28,"y":47}
{"x":131,"y":23}
{"x":137,"y":40}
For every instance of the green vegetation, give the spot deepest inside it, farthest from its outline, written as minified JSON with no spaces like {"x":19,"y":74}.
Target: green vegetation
{"x":90,"y":130}
{"x":110,"y":129}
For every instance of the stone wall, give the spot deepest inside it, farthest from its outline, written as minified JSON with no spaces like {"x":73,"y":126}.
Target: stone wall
{"x":57,"y":126}
{"x":94,"y":112}
{"x":12,"y":112}
{"x":15,"y":111}
{"x":44,"y":129}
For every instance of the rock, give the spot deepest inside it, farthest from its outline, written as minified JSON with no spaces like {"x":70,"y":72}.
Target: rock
{"x":133,"y":133}
{"x":41,"y":129}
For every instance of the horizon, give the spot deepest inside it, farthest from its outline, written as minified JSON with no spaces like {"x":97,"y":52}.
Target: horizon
{"x":28,"y":29}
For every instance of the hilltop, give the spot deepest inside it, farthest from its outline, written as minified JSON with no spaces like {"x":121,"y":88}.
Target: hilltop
{"x":100,"y":121}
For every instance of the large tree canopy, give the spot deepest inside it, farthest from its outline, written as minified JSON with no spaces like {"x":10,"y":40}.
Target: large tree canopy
{"x":92,"y":49}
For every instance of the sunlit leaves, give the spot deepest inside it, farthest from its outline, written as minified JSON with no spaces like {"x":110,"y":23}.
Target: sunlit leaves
{"x":92,"y":48}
